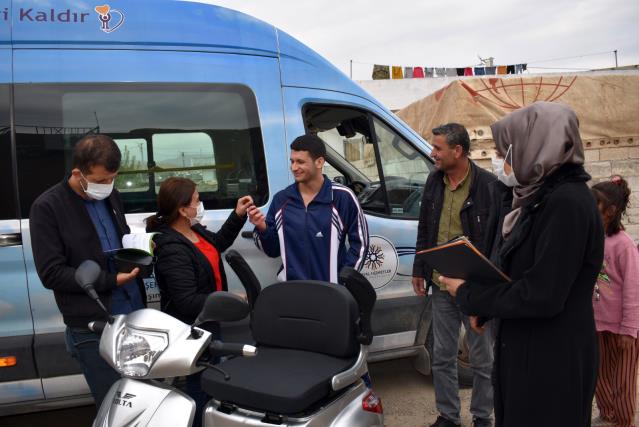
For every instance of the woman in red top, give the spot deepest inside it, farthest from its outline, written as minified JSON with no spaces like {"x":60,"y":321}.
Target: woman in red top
{"x":189,"y":263}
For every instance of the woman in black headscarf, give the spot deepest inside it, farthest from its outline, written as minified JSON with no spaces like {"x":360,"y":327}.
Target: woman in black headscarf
{"x":546,"y":358}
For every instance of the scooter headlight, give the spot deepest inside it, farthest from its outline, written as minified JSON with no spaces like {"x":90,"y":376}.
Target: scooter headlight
{"x":137,"y":350}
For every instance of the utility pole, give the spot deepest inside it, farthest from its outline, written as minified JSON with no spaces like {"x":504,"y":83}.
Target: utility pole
{"x":616,"y":63}
{"x":352,"y":69}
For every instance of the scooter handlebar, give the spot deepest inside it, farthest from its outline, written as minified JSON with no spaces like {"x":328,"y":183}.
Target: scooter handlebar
{"x":219,"y":348}
{"x":97,"y":326}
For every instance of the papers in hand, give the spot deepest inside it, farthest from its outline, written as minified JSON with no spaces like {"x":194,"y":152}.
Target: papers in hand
{"x":139,"y":241}
{"x":460,"y":259}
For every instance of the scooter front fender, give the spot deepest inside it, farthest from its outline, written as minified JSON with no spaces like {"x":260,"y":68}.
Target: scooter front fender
{"x":145,"y":403}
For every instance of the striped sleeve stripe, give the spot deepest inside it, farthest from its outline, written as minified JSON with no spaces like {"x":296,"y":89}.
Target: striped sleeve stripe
{"x":362,"y":226}
{"x":257,"y":241}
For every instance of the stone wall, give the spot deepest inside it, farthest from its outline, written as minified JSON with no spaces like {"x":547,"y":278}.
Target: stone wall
{"x":604,"y":158}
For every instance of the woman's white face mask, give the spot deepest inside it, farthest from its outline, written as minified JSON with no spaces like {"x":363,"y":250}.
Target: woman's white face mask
{"x":97,"y":191}
{"x":199,"y":215}
{"x":498,"y":168}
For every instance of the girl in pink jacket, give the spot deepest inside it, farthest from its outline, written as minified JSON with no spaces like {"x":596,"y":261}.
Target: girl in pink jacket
{"x":616,"y":306}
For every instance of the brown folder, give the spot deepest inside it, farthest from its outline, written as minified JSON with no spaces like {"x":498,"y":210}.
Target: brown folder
{"x":461,"y":260}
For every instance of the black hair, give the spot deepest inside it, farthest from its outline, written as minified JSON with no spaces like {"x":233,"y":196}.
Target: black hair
{"x":614,"y":193}
{"x":96,"y":149}
{"x":455,"y":134}
{"x":311,"y":143}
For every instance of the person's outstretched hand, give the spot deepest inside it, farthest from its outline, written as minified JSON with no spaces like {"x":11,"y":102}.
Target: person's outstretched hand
{"x":243,"y":204}
{"x":257,"y":218}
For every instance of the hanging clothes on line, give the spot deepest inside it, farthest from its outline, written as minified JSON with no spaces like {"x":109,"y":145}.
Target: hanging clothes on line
{"x":408,"y":72}
{"x":502,"y":69}
{"x":381,"y":72}
{"x":418,"y":73}
{"x":490,"y":71}
{"x":510,"y":69}
{"x":440,"y":72}
{"x":429,"y":71}
{"x":468,"y":71}
{"x":480,"y":71}
{"x":397,"y":72}
{"x":451,"y":72}
{"x":460,"y":71}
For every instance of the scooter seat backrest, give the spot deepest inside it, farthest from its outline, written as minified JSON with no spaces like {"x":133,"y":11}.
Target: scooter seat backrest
{"x":307,"y":315}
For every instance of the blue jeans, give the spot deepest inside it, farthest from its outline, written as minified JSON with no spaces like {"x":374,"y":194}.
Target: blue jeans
{"x":447,"y":320}
{"x":83,"y":345}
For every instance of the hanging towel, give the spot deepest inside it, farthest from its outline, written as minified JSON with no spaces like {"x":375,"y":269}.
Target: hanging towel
{"x":418,"y":73}
{"x":502,"y":69}
{"x":460,"y":71}
{"x":468,"y":71}
{"x":441,"y":72}
{"x":381,"y":72}
{"x":429,"y":71}
{"x":524,"y":67}
{"x":408,"y":72}
{"x":510,"y":69}
{"x":451,"y":72}
{"x":490,"y":71}
{"x":480,"y":71}
{"x":519,"y":68}
{"x":397,"y":72}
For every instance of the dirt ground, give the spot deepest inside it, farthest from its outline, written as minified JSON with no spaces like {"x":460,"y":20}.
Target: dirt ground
{"x":408,"y":397}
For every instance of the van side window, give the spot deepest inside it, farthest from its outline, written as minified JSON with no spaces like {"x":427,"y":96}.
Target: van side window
{"x":209,"y":133}
{"x":386,"y":172}
{"x":7,"y":189}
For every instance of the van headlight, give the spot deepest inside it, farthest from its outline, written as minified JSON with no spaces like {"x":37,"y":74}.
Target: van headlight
{"x":137,"y":350}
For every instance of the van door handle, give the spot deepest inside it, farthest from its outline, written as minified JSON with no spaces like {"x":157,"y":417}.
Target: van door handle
{"x":247,"y":234}
{"x":10,"y":239}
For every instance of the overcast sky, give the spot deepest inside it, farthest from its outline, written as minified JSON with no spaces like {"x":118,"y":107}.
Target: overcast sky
{"x":453,"y":33}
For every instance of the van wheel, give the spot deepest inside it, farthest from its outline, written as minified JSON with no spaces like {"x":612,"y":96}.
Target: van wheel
{"x":464,"y":371}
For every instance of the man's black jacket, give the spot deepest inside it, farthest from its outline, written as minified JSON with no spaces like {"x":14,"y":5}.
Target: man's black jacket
{"x":474,"y":213}
{"x":62,"y":236}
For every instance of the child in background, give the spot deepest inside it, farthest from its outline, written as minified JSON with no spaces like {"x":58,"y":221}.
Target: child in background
{"x":616,"y":307}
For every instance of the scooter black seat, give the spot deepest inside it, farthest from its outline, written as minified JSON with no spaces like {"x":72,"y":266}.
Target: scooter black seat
{"x":306,"y":332}
{"x":277,"y":380}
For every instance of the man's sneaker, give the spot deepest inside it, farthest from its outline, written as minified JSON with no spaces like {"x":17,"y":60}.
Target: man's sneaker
{"x":443,"y":422}
{"x":481,"y":422}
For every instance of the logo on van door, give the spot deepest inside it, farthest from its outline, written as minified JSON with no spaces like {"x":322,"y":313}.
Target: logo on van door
{"x":381,"y":261}
{"x":110,"y":19}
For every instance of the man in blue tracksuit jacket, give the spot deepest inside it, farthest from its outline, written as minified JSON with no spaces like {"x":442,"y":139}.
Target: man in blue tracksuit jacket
{"x":308,"y":222}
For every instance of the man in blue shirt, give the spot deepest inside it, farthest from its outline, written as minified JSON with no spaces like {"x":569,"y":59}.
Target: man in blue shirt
{"x":78,"y":219}
{"x":309,"y":221}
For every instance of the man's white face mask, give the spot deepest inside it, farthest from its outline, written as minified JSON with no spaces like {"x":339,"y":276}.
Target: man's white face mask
{"x":498,"y":168}
{"x":97,"y":191}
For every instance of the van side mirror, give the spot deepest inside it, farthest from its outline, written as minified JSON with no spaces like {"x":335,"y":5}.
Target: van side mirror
{"x":86,"y":275}
{"x":339,"y":179}
{"x":222,"y":307}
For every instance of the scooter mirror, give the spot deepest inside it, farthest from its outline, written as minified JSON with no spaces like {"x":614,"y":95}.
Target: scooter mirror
{"x":87,"y":274}
{"x":223,"y":307}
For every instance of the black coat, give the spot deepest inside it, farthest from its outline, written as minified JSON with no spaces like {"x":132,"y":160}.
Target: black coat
{"x":474,"y":213}
{"x":546,"y":358}
{"x":62,"y":236}
{"x":184,"y":275}
{"x":501,"y":197}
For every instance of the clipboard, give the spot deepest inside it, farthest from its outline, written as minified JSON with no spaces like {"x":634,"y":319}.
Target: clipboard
{"x":460,"y":259}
